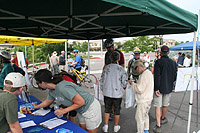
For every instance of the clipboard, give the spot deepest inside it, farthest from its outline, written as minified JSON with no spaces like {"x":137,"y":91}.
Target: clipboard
{"x":41,"y":112}
{"x":52,"y":123}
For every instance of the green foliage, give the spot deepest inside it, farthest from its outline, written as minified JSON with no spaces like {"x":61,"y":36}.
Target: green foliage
{"x":145,"y":43}
{"x":176,"y":43}
{"x":84,"y":47}
{"x":41,"y":51}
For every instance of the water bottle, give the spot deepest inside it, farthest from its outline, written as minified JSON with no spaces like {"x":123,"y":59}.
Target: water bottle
{"x":56,"y":107}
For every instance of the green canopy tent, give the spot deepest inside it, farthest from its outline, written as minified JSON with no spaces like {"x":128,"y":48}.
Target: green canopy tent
{"x":95,"y":19}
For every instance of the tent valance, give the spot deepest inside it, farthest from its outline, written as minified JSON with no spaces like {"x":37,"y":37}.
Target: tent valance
{"x":28,"y":41}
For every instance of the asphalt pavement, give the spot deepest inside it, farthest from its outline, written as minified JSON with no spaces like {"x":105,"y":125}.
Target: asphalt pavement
{"x":127,"y":117}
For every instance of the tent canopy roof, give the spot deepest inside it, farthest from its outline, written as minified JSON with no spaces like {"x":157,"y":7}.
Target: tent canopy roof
{"x":28,"y":41}
{"x":93,"y":19}
{"x":185,"y":46}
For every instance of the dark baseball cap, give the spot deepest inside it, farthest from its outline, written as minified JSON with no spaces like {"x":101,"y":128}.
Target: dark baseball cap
{"x":164,"y":48}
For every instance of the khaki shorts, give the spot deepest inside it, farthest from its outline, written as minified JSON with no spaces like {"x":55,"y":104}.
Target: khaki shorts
{"x":92,"y":117}
{"x":162,"y":100}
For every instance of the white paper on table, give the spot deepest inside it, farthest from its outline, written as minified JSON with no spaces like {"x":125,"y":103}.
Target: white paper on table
{"x":52,"y":123}
{"x":20,"y":115}
{"x":27,"y":124}
{"x":41,"y":112}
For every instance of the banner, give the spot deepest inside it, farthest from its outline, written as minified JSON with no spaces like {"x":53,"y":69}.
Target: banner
{"x":184,"y":77}
{"x":22,"y":64}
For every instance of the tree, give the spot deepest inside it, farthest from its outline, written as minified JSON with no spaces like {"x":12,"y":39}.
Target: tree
{"x":84,"y":47}
{"x":145,"y":43}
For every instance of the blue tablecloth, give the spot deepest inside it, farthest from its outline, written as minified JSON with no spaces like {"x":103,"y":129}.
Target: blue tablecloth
{"x":39,"y":119}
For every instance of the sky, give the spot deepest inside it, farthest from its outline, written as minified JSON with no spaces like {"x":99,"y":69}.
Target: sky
{"x":189,"y":5}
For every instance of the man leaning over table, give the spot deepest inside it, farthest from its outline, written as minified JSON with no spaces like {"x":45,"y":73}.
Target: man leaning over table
{"x":13,"y":86}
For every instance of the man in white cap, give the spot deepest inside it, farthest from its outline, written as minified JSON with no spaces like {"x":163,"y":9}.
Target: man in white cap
{"x":144,"y":95}
{"x":62,"y":61}
{"x":54,"y":63}
{"x":13,"y":86}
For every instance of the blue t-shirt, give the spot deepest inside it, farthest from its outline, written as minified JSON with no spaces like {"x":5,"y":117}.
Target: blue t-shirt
{"x":78,"y":60}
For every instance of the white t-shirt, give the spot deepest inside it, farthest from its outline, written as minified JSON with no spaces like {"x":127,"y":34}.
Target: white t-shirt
{"x":187,"y":62}
{"x":147,"y":60}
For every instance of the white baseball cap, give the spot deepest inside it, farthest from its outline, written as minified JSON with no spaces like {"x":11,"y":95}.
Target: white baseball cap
{"x":54,"y":53}
{"x":62,"y":52}
{"x":17,"y":79}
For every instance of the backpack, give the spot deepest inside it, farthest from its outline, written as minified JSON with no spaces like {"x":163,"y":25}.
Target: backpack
{"x":68,"y":77}
{"x":82,"y":62}
{"x":18,"y":69}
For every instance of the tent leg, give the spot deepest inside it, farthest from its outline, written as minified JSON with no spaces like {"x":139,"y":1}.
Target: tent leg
{"x":33,"y":57}
{"x":89,"y":58}
{"x":66,"y":43}
{"x":102,"y":48}
{"x":192,"y":84}
{"x":25,"y":51}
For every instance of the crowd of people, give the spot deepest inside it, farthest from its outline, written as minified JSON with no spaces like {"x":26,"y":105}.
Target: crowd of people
{"x":183,"y":61}
{"x":152,"y":87}
{"x":58,"y":63}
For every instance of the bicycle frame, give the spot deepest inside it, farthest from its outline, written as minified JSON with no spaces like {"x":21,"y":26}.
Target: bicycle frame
{"x":78,"y":74}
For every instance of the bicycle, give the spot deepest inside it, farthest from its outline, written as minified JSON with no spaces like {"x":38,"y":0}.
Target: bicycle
{"x":32,"y":78}
{"x":88,"y":80}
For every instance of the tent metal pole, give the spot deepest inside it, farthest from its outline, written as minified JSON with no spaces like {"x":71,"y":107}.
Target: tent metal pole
{"x":33,"y":56}
{"x":25,"y":52}
{"x":197,"y":77}
{"x":66,"y":43}
{"x":192,"y":84}
{"x":89,"y":59}
{"x":102,"y":48}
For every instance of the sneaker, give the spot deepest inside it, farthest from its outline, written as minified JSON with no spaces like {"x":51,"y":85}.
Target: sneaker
{"x":157,"y":129}
{"x":146,"y":131}
{"x":105,"y":129}
{"x":163,"y":121}
{"x":116,"y":128}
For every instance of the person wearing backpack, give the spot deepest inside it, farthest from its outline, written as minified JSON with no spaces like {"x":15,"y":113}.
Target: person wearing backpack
{"x":131,"y":71}
{"x":77,"y":62}
{"x":109,"y":45}
{"x":5,"y":65}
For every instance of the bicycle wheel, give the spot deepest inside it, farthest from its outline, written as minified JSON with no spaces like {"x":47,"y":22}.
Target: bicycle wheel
{"x":33,"y":82}
{"x":90,"y":80}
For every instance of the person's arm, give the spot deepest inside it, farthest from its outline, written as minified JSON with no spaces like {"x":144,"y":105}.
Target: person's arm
{"x":71,"y":61}
{"x":26,"y":60}
{"x":78,"y":102}
{"x":124,"y":80}
{"x":15,"y":127}
{"x":45,"y":103}
{"x":74,"y":63}
{"x":128,"y":71}
{"x":152,"y":70}
{"x":123,"y":65}
{"x":141,"y":84}
{"x":122,"y":60}
{"x":157,"y":78}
